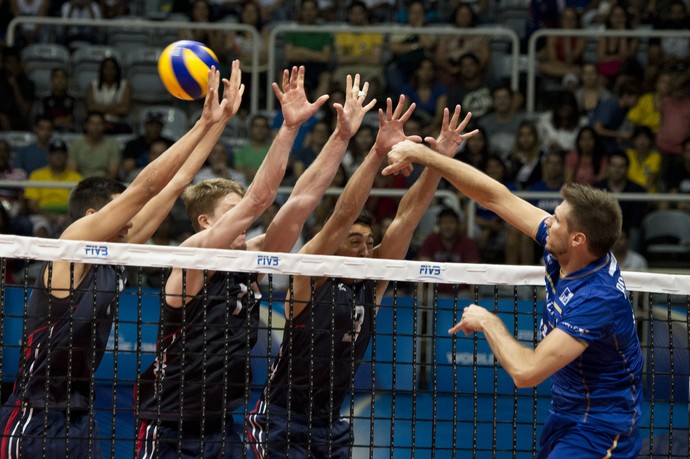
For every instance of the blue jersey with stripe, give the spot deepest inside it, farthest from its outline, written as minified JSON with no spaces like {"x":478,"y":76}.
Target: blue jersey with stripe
{"x":603,"y":386}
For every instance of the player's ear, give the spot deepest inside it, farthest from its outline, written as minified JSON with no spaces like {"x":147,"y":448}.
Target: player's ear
{"x":89,"y":212}
{"x":579,"y":239}
{"x":204,"y":221}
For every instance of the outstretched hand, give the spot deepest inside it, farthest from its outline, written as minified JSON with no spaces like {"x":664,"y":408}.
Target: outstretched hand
{"x":212,"y":111}
{"x":451,"y":137}
{"x":293,"y":100}
{"x":391,"y":126}
{"x":233,"y":90}
{"x":350,"y":115}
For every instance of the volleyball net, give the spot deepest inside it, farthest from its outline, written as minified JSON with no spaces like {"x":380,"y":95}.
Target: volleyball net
{"x":417,"y":392}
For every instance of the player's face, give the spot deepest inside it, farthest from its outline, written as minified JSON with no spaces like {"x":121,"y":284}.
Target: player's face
{"x":359,"y":243}
{"x":558,"y":235}
{"x":223,"y":206}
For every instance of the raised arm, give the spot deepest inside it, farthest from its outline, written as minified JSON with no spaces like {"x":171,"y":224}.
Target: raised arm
{"x":146,"y":222}
{"x":414,"y":204}
{"x":284,"y":231}
{"x":475,"y":184}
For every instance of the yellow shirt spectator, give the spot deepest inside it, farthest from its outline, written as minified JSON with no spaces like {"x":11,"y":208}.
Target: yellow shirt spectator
{"x":644,"y":171}
{"x":51,"y":200}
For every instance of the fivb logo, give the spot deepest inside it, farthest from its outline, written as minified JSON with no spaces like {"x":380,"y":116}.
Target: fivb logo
{"x":430,"y":271}
{"x":96,"y":251}
{"x":268,"y":261}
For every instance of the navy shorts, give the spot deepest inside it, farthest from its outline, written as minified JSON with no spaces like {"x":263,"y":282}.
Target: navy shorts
{"x":565,"y":438}
{"x":269,"y":438}
{"x":163,"y":441}
{"x":26,"y":433}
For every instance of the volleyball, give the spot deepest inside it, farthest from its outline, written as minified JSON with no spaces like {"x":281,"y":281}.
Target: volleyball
{"x":183,"y":67}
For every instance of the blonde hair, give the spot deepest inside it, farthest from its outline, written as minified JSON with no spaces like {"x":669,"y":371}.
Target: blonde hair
{"x":201,"y":198}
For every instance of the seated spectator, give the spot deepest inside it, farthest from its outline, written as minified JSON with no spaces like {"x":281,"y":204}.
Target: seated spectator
{"x":587,"y":162}
{"x":111,"y":95}
{"x":524,"y":161}
{"x":674,"y":125}
{"x":492,"y":236}
{"x":646,"y":111}
{"x":591,"y":93}
{"x":249,"y":157}
{"x":471,"y":90}
{"x":627,"y":258}
{"x":95,"y":154}
{"x":16,"y":93}
{"x":449,"y":244}
{"x":679,"y":178}
{"x":671,"y":52}
{"x":409,"y":51}
{"x":48,"y":206}
{"x":80,"y":9}
{"x":645,"y":161}
{"x":609,"y":117}
{"x":200,"y":13}
{"x":358,"y":148}
{"x":27,"y":34}
{"x":558,"y":127}
{"x":503,"y":122}
{"x":617,"y":56}
{"x":11,"y":199}
{"x":475,"y":150}
{"x":59,"y":106}
{"x":35,"y":155}
{"x":154,"y":150}
{"x":428,"y":94}
{"x":451,"y":48}
{"x":136,"y":151}
{"x":218,"y":166}
{"x":563,"y":55}
{"x":308,"y":153}
{"x":617,"y":182}
{"x":311,"y":49}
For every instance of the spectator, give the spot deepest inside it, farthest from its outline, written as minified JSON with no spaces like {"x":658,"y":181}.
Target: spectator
{"x":475,"y":150}
{"x":80,"y":9}
{"x":617,"y":182}
{"x":616,"y":56}
{"x":95,"y":154}
{"x":671,"y":52}
{"x":646,"y":111}
{"x":48,"y":206}
{"x":218,"y":166}
{"x":591,"y":93}
{"x":674,"y":125}
{"x":111,"y":95}
{"x":314,"y":143}
{"x":608,"y":119}
{"x":451,"y":48}
{"x":558,"y":127}
{"x":587,"y":162}
{"x":327,"y":204}
{"x":679,"y":178}
{"x":471,"y":91}
{"x":449,"y":244}
{"x":136,"y":151}
{"x":358,"y":148}
{"x":644,"y":162}
{"x":35,"y":155}
{"x":428,"y":94}
{"x":492,"y":236}
{"x":311,"y":49}
{"x":16,"y":93}
{"x":502,"y":122}
{"x":409,"y":51}
{"x":11,"y":199}
{"x":628,"y":259}
{"x":200,"y":13}
{"x":563,"y":55}
{"x":29,"y":33}
{"x":524,"y":162}
{"x":358,"y":52}
{"x":59,"y":106}
{"x":154,"y":150}
{"x":249,"y":157}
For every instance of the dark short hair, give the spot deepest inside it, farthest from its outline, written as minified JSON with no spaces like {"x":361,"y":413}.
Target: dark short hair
{"x":447,"y":212}
{"x":619,"y":154}
{"x":92,"y":193}
{"x":643,"y":130}
{"x":596,"y":213}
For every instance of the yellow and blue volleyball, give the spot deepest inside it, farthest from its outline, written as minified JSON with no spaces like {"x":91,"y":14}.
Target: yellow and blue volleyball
{"x":183,"y":68}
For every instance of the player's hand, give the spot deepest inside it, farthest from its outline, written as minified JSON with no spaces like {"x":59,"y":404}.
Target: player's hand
{"x":400,"y":158}
{"x":391,"y":126}
{"x":451,"y":137}
{"x":350,"y":115}
{"x":233,"y":90}
{"x":212,"y":111}
{"x":471,"y":320}
{"x":293,"y":100}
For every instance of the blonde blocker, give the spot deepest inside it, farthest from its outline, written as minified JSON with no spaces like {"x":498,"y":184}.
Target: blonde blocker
{"x":596,"y":213}
{"x":201,"y":198}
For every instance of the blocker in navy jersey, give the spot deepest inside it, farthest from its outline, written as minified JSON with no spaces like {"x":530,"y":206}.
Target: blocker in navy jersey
{"x":317,"y":357}
{"x":201,"y":363}
{"x":602,"y":388}
{"x":59,"y":343}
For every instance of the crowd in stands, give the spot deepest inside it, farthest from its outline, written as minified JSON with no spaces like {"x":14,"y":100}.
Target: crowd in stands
{"x":613,"y":112}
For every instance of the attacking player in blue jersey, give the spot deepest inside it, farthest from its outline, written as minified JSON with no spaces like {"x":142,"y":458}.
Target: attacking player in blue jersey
{"x":589,"y":342}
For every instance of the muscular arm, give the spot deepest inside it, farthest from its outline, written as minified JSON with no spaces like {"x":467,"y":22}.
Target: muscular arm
{"x":475,"y":184}
{"x":528,"y":367}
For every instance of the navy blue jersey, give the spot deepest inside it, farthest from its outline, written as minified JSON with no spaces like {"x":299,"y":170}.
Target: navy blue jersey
{"x":321,"y":350}
{"x":66,"y":339}
{"x":603,"y":387}
{"x":203,"y":348}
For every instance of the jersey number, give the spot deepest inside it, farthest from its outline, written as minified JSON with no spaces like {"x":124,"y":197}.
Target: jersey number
{"x":357,"y":325}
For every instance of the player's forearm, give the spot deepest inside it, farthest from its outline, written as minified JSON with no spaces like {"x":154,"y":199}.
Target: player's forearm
{"x":356,"y":192}
{"x":319,"y":175}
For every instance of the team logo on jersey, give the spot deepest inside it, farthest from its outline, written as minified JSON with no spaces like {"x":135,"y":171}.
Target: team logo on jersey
{"x":549,"y":258}
{"x":566,"y":296}
{"x":580,"y":330}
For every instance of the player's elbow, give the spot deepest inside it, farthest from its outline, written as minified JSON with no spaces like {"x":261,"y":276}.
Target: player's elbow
{"x":526,"y":378}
